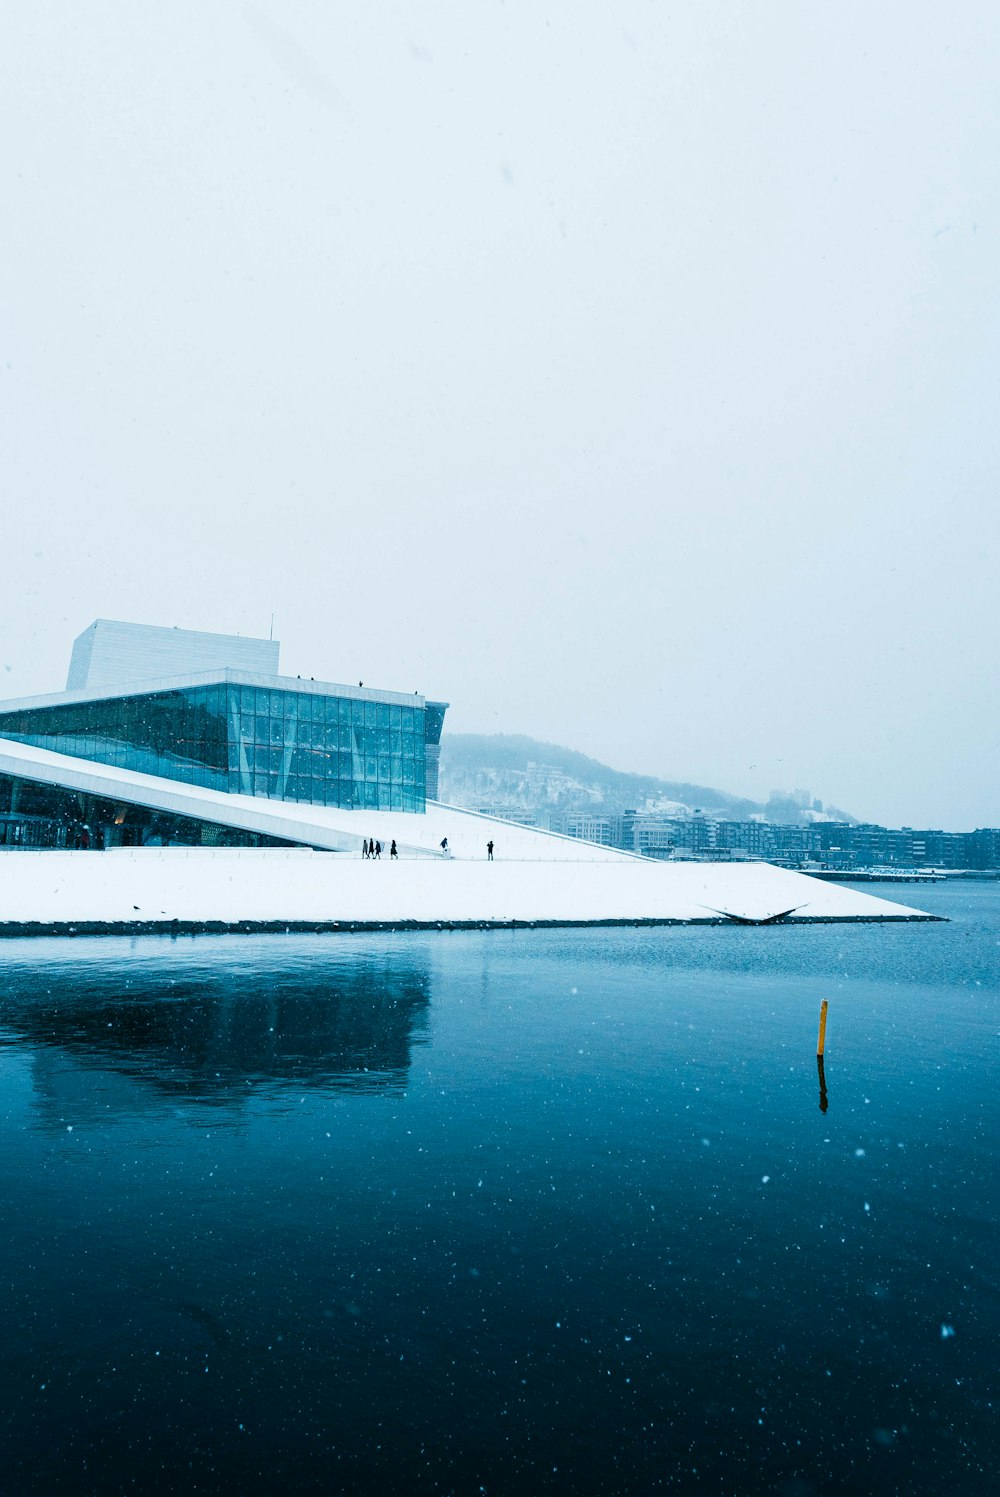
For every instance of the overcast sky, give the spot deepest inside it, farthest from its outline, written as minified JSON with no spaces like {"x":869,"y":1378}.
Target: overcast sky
{"x":624,"y":373}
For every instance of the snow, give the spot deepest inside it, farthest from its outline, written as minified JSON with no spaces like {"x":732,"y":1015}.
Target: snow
{"x":198,"y":885}
{"x":537,"y":876}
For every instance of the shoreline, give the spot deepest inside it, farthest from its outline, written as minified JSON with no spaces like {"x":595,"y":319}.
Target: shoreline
{"x":18,"y":930}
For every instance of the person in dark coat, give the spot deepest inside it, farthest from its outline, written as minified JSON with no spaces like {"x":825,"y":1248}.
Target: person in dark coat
{"x":392,"y":849}
{"x":364,"y":848}
{"x":378,"y":849}
{"x":489,"y":852}
{"x":444,"y":844}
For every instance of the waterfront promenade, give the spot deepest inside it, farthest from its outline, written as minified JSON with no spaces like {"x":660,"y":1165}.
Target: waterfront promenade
{"x":138,"y":889}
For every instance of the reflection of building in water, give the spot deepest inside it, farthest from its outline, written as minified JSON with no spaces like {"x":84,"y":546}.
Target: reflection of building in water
{"x":105,"y":1041}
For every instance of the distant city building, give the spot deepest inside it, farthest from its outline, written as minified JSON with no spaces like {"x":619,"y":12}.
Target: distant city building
{"x":835,"y":845}
{"x":748,"y":839}
{"x":516,"y":815}
{"x":984,"y":846}
{"x":588,"y":828}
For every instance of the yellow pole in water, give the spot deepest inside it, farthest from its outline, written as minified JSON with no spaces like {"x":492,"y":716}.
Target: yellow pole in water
{"x":821,"y":1042}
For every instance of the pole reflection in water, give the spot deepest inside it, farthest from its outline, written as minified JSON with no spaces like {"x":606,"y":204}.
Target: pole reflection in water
{"x":823,"y":1103}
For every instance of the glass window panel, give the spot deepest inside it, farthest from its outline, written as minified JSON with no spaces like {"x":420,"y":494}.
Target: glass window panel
{"x":206,"y":735}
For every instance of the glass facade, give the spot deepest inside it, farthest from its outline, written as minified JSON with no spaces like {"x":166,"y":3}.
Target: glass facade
{"x":36,"y":816}
{"x":249,"y":740}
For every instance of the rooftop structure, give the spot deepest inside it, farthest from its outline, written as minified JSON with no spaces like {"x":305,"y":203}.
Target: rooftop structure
{"x":111,"y":654}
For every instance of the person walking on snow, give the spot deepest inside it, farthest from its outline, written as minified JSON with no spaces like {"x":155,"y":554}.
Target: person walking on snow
{"x":392,"y":849}
{"x":378,"y":849}
{"x":364,"y":848}
{"x":444,"y":844}
{"x":489,"y":852}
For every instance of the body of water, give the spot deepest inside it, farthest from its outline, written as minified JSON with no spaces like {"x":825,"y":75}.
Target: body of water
{"x":503,"y":1212}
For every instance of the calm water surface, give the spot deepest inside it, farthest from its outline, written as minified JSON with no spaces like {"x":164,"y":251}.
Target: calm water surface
{"x":503,"y":1212}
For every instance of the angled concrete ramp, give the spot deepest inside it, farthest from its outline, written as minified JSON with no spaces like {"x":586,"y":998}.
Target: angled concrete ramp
{"x":537,"y":878}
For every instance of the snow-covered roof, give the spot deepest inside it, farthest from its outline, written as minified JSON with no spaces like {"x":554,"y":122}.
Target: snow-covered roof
{"x":214,"y":678}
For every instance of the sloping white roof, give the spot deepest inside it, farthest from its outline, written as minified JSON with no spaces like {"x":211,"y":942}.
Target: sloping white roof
{"x":537,"y":876}
{"x":324,"y":827}
{"x":193,"y":679}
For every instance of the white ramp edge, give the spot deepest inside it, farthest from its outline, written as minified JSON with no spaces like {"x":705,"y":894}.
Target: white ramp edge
{"x":328,"y":828}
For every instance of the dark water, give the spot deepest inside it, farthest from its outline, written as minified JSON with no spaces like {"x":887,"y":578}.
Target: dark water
{"x":503,"y":1212}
